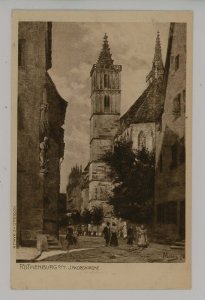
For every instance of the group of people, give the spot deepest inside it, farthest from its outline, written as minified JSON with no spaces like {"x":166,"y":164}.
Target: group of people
{"x":110,"y":234}
{"x":139,"y":236}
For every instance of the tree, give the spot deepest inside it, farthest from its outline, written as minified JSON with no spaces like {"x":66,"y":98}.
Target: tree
{"x":76,"y":217}
{"x":86,"y":216}
{"x":132,"y":173}
{"x":97,"y":215}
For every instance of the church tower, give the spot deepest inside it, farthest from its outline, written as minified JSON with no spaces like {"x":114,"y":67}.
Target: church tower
{"x":104,"y":122}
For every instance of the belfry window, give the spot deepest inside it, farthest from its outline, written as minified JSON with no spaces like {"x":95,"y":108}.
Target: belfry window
{"x":106,"y":103}
{"x":141,"y":140}
{"x":105,"y":81}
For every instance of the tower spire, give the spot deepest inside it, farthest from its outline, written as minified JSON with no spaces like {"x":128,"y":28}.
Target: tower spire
{"x":105,"y":57}
{"x":157,"y":63}
{"x":158,"y":52}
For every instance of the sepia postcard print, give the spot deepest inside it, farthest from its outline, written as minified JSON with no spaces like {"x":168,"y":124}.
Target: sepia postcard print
{"x":101,"y":150}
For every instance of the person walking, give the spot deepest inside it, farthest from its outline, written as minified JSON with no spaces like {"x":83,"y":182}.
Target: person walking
{"x":89,"y":229}
{"x":143,"y":240}
{"x":71,"y":239}
{"x":130,"y":235}
{"x":107,"y":234}
{"x":124,"y":230}
{"x":114,"y":239}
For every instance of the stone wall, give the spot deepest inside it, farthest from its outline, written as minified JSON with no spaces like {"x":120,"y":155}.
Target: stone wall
{"x":41,"y":113}
{"x":31,"y":82}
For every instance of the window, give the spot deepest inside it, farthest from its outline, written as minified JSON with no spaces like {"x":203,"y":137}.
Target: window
{"x":177,"y":106}
{"x":141,"y":140}
{"x":105,"y":81}
{"x":21,"y":53}
{"x":174,"y":154}
{"x":107,"y":103}
{"x":176,"y":62}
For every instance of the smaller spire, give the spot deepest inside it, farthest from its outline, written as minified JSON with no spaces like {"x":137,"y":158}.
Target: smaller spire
{"x":105,"y":57}
{"x":157,"y":63}
{"x":158,"y":52}
{"x":105,"y":37}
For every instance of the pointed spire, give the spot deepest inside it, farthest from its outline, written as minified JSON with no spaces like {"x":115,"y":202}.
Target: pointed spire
{"x":157,"y":63}
{"x":158,"y":52}
{"x":105,"y":57}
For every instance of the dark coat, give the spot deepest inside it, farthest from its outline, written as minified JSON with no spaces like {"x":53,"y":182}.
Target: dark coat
{"x":106,"y":232}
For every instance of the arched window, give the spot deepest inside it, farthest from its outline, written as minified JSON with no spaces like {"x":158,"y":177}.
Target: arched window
{"x":105,"y":81}
{"x":141,"y":140}
{"x":106,"y":103}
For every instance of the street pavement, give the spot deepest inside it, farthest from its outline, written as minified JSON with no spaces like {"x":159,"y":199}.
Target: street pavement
{"x":27,"y":253}
{"x":92,"y":249}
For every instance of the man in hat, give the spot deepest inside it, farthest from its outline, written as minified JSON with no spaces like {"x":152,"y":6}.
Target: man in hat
{"x":106,"y":233}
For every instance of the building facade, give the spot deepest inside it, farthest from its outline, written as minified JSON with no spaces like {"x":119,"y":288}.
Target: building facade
{"x":170,"y":151}
{"x":104,"y":122}
{"x":40,"y":146}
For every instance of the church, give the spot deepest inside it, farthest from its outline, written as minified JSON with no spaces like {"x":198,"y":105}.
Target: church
{"x":142,"y":120}
{"x":139,"y":124}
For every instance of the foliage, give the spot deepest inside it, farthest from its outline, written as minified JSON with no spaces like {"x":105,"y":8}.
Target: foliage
{"x":76,"y":217}
{"x":86,"y":216}
{"x":133,"y":178}
{"x":97,"y":215}
{"x":63,"y":222}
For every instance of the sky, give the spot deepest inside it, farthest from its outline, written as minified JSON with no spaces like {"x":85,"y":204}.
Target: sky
{"x":75,"y":48}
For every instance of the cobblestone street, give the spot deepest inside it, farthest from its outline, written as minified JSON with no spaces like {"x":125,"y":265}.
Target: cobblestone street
{"x":92,"y":249}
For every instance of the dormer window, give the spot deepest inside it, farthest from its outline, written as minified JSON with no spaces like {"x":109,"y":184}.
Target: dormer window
{"x":105,"y":81}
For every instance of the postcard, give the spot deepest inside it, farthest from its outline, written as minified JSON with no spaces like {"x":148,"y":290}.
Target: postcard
{"x":101,"y":149}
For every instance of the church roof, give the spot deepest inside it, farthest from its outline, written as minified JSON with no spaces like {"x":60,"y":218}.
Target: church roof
{"x":105,"y":57}
{"x":147,"y":108}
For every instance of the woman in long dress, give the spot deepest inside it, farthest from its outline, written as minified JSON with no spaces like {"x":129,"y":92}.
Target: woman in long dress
{"x":114,"y":239}
{"x":142,"y":237}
